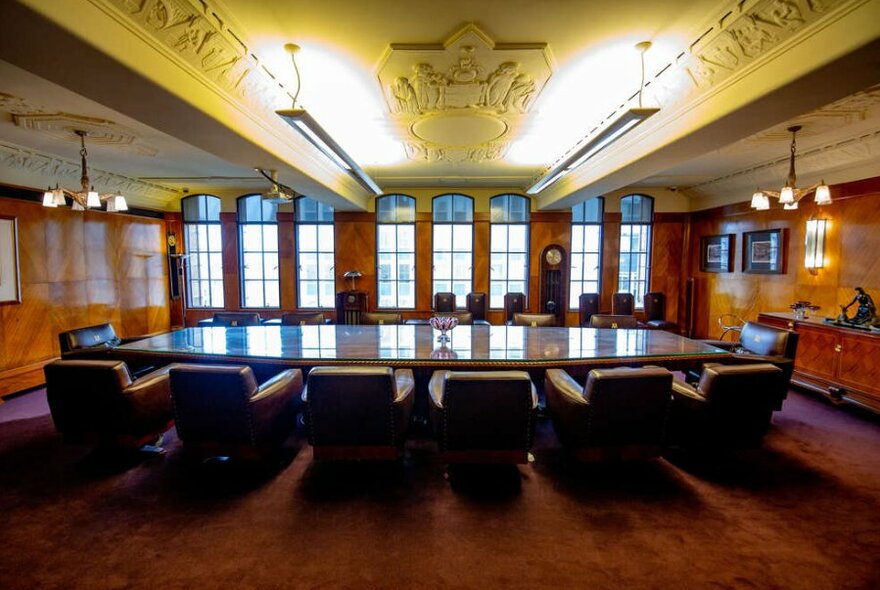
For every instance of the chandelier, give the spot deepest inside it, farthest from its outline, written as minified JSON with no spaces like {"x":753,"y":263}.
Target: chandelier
{"x":86,"y":197}
{"x":790,"y":194}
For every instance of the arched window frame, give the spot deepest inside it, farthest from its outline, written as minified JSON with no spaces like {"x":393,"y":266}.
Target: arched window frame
{"x":258,"y":257}
{"x":508,"y":246}
{"x":456,"y":230}
{"x":396,"y":249}
{"x":204,"y":245}
{"x":587,"y":234}
{"x":315,"y":237}
{"x":636,"y":235}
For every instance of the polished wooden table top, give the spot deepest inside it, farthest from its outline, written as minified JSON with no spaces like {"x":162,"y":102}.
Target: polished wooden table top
{"x":412,"y":346}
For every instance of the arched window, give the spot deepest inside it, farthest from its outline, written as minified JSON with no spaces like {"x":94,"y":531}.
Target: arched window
{"x":586,"y":249}
{"x":201,"y":227}
{"x":396,"y":251}
{"x":453,"y":245}
{"x":315,"y":254}
{"x":509,"y":248}
{"x":258,"y":251}
{"x":636,"y":218}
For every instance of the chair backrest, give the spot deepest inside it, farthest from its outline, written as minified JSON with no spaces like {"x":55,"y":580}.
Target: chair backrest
{"x":741,"y":398}
{"x":588,"y":305}
{"x":350,"y":405}
{"x":82,"y":338}
{"x":768,"y":340}
{"x":232,"y":319}
{"x":465,"y":318}
{"x":86,"y":395}
{"x":381,"y":318}
{"x":211,"y":402}
{"x":444,"y":301}
{"x":613,"y":321}
{"x":534,"y":320}
{"x":513,"y":303}
{"x":655,"y":306}
{"x":622,"y":304}
{"x":476,"y":304}
{"x":488,"y":410}
{"x":627,"y":406}
{"x":303,"y":319}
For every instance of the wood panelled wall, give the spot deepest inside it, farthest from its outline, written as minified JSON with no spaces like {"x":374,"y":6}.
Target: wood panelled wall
{"x":852,"y":254}
{"x":78,"y":269}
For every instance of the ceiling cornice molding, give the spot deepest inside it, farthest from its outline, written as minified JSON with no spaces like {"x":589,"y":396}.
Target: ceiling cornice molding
{"x":54,"y":169}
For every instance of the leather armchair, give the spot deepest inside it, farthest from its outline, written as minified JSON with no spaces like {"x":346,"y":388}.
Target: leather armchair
{"x":476,"y":304}
{"x":465,"y":318}
{"x":760,"y":343}
{"x":655,"y":312}
{"x":358,"y":412}
{"x":731,"y":405}
{"x":588,"y":305}
{"x":304,"y":319}
{"x":232,"y":319}
{"x":89,"y":342}
{"x":97,"y":401}
{"x":617,"y":413}
{"x":381,"y":318}
{"x":483,"y":417}
{"x":534,"y":320}
{"x":220,"y":410}
{"x":623,"y":304}
{"x":614,"y":321}
{"x":444,"y":301}
{"x":513,"y":303}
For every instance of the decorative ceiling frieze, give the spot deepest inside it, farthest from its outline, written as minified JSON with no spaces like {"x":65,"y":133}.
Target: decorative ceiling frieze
{"x":462,"y":100}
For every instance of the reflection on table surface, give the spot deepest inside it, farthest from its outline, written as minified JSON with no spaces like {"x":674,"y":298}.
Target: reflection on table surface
{"x":419,"y":343}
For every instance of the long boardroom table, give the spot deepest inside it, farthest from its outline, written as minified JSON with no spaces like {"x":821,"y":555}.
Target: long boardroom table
{"x":270,"y":348}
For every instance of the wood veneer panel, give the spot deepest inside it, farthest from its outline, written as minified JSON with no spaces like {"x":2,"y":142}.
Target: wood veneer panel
{"x":424,"y":265}
{"x":27,"y":329}
{"x":32,"y":260}
{"x":70,"y":309}
{"x":104,"y":303}
{"x":101,"y":240}
{"x":356,"y":250}
{"x":287,"y":260}
{"x":610,"y":256}
{"x":65,"y":243}
{"x":666,"y":258}
{"x":231,"y":276}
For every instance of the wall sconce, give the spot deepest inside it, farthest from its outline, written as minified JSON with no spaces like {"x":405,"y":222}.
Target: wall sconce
{"x":814,"y":245}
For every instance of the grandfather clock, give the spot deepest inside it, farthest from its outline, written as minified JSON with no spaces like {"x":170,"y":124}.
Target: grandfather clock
{"x":553,"y":281}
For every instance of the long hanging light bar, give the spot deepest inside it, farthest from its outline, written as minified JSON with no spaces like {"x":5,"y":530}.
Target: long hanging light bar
{"x":305,"y":124}
{"x":617,"y":128}
{"x":86,"y":197}
{"x":790,"y":194}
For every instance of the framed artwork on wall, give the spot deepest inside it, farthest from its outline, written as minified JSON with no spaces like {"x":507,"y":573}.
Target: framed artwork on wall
{"x":10,"y":285}
{"x":716,"y":253}
{"x":764,"y":251}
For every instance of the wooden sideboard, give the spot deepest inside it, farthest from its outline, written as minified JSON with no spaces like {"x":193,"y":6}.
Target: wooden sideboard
{"x":842,"y":363}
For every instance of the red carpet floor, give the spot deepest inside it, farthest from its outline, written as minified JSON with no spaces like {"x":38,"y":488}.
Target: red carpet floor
{"x":803,"y":512}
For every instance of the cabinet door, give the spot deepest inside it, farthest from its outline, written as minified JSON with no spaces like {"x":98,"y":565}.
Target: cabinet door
{"x":860,"y":363}
{"x":817,"y":352}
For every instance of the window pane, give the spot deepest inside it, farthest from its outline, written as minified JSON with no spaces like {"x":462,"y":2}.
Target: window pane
{"x":386,"y":267}
{"x":442,"y":209}
{"x":327,"y":294}
{"x":273,"y":294}
{"x":253,"y":293}
{"x":251,"y":238}
{"x":442,"y":287}
{"x":325,"y":266}
{"x":443,"y":238}
{"x":308,"y":266}
{"x":517,"y":238}
{"x":307,"y":238}
{"x":214,"y":243}
{"x":387,"y":238}
{"x":463,"y":237}
{"x":591,"y":267}
{"x":463,"y":209}
{"x":253,"y":266}
{"x":270,"y":237}
{"x":406,"y":241}
{"x":270,"y":266}
{"x":217,"y":293}
{"x":461,"y":289}
{"x":461,"y":265}
{"x":443,"y":265}
{"x":591,"y":238}
{"x":516,"y":269}
{"x":499,"y":238}
{"x":325,"y":238}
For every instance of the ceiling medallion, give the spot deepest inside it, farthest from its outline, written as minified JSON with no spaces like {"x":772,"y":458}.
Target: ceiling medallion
{"x":464,"y":99}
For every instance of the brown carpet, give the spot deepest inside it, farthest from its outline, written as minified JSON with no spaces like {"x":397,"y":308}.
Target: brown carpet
{"x":803,"y":512}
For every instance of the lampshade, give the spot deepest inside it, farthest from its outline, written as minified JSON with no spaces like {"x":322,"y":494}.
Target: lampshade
{"x":823,"y":194}
{"x":93,"y":200}
{"x":786,"y":195}
{"x":49,"y":199}
{"x":757,"y":200}
{"x":790,"y":206}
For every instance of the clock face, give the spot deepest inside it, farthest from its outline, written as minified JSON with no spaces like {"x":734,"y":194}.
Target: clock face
{"x":172,"y":240}
{"x":553,"y":256}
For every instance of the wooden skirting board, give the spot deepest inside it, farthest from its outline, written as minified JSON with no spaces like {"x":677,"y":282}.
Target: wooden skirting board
{"x":21,"y":378}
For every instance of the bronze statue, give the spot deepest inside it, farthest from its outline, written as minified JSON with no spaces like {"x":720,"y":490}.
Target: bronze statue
{"x":866,"y":314}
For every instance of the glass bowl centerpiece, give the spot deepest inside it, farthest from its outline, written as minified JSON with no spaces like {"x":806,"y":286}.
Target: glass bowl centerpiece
{"x":443,"y":323}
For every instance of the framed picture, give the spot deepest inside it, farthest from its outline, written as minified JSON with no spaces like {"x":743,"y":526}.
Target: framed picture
{"x":716,"y":253}
{"x":764,"y":251}
{"x":10,"y":286}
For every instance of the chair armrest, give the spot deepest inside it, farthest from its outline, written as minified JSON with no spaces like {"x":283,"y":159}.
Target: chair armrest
{"x":686,"y":395}
{"x":435,"y":389}
{"x":723,"y":344}
{"x":276,"y":393}
{"x":567,"y":390}
{"x":406,"y":384}
{"x":150,"y":396}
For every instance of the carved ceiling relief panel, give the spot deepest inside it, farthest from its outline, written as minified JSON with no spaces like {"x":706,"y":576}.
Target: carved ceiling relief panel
{"x":464,"y":99}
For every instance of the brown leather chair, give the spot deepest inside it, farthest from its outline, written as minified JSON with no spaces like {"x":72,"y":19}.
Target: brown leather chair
{"x":220,"y":410}
{"x":381,"y":318}
{"x":623,"y":304}
{"x":731,"y":405}
{"x":96,"y":401}
{"x":588,"y":305}
{"x":465,"y":318}
{"x":483,"y":417}
{"x":358,"y":412}
{"x":232,"y":319}
{"x":444,"y":301}
{"x":534,"y":320}
{"x":88,"y":342}
{"x":655,"y":312}
{"x":614,"y":321}
{"x":513,"y":303}
{"x":761,"y":343}
{"x":618,"y":413}
{"x":303,"y":319}
{"x":476,"y":304}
